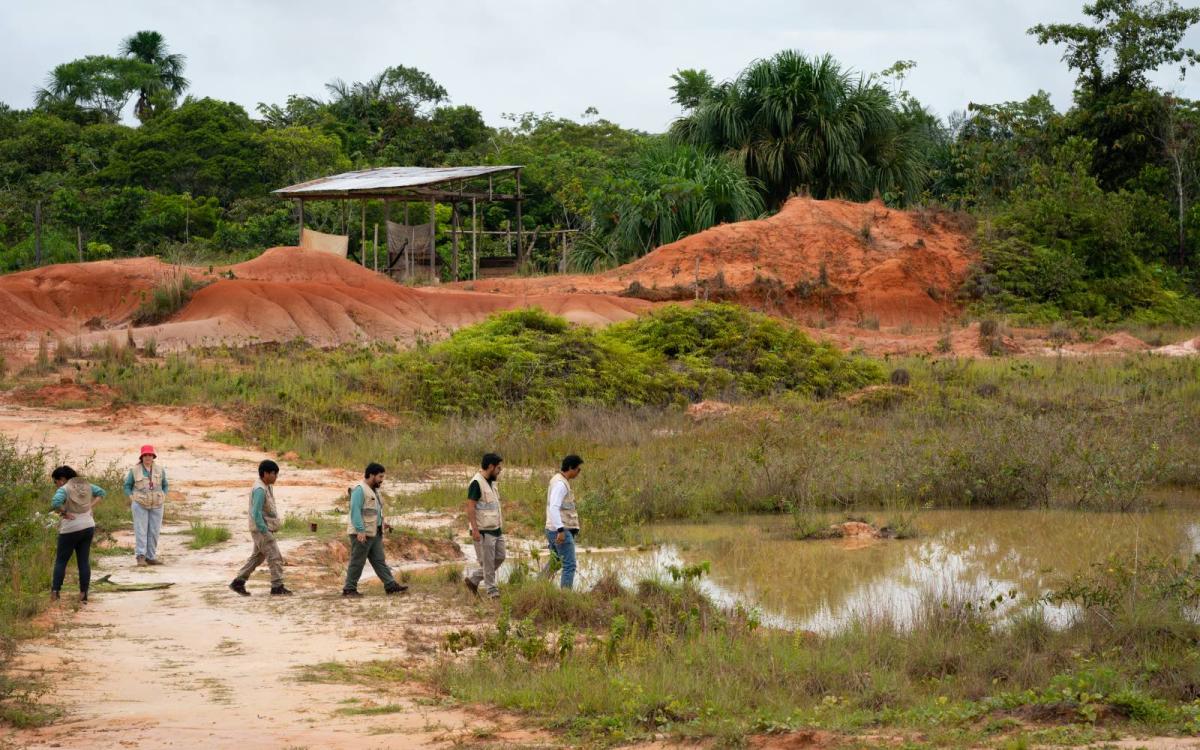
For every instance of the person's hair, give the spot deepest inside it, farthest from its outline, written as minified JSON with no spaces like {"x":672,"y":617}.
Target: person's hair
{"x":268,"y":467}
{"x":490,"y":460}
{"x":571,"y":462}
{"x":373,"y":469}
{"x":63,"y":472}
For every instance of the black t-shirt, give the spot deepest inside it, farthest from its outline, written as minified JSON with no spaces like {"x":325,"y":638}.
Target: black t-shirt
{"x":474,"y":493}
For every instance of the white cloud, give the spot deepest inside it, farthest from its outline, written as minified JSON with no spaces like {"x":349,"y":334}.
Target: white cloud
{"x":545,"y":56}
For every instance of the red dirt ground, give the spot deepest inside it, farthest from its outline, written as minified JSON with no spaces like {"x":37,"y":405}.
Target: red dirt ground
{"x":814,"y":260}
{"x":285,"y":293}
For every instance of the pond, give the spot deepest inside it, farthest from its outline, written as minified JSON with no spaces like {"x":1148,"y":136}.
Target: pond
{"x":959,"y":554}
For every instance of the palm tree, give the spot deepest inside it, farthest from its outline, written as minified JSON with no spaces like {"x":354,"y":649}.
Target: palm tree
{"x":671,"y":191}
{"x":797,"y":122}
{"x":150,"y":47}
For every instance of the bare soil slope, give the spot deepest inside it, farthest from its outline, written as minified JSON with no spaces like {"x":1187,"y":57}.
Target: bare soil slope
{"x":829,"y":260}
{"x":284,"y":294}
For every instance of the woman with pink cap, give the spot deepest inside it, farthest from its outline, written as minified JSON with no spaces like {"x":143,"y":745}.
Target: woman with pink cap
{"x":146,"y":486}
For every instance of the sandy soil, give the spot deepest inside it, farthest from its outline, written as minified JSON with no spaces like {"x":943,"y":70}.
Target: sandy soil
{"x":197,"y":666}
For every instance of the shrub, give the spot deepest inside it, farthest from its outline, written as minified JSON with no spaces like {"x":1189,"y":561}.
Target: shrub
{"x":166,"y":299}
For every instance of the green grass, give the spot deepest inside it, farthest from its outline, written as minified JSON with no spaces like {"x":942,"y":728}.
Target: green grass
{"x":27,"y":546}
{"x":365,"y":673}
{"x":205,"y":535}
{"x":614,"y":665}
{"x":388,"y":708}
{"x":1101,"y":433}
{"x":166,"y":299}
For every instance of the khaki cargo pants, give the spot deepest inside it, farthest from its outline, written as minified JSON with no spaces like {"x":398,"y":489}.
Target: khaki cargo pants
{"x":266,"y":549}
{"x":489,"y":550}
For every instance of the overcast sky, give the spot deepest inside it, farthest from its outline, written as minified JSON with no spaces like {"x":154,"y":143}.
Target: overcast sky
{"x":547,"y":56}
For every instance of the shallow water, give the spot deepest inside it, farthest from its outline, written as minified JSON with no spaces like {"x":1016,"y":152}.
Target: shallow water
{"x":823,"y":585}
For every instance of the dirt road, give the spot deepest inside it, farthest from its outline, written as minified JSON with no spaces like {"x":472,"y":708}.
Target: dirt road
{"x":197,"y":666}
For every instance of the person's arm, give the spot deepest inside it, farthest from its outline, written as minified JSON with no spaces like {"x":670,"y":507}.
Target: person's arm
{"x":164,"y":482}
{"x":356,"y":506}
{"x":258,"y":498}
{"x":60,"y":499}
{"x":98,"y":494}
{"x":129,"y":484}
{"x":474,"y":492}
{"x":558,"y":491}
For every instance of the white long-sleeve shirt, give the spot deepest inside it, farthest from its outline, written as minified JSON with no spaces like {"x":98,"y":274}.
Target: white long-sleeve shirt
{"x":554,"y":500}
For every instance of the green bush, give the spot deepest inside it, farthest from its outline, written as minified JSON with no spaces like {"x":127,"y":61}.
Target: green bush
{"x":166,"y":299}
{"x":542,"y":364}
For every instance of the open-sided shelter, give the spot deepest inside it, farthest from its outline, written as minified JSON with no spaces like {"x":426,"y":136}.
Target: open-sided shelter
{"x":411,"y":249}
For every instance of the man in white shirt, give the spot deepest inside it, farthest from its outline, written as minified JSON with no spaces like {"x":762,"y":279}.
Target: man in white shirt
{"x":562,"y":519}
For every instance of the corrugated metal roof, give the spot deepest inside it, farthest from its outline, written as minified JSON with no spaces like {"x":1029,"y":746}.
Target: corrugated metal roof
{"x":387,"y":178}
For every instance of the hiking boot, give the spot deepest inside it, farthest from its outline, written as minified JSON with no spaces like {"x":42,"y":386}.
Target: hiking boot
{"x":239,"y":586}
{"x":153,"y":561}
{"x":494,"y":594}
{"x":351,"y":594}
{"x":141,"y":561}
{"x":280,"y":590}
{"x":53,"y":596}
{"x":472,"y":586}
{"x":399,"y":588}
{"x":83,"y":597}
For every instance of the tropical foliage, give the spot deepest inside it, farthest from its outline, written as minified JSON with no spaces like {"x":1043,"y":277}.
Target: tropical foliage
{"x":1090,"y":212}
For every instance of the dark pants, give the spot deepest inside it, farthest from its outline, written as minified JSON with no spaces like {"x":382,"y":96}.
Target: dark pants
{"x":78,"y":543}
{"x":362,"y":552}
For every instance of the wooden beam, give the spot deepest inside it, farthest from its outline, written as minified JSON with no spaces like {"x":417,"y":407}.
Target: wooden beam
{"x":520,"y":228}
{"x":416,"y":195}
{"x":454,"y":238}
{"x":432,"y":240}
{"x":362,"y":243}
{"x":300,"y":241}
{"x":474,"y":244}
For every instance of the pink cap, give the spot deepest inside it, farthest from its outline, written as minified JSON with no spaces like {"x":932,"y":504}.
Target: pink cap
{"x":148,"y":449}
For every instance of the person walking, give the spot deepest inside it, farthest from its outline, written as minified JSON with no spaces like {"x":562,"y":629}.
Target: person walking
{"x":74,"y":500}
{"x":562,"y":519}
{"x":366,"y":526}
{"x":486,"y":521}
{"x":146,"y":487}
{"x":264,"y":522}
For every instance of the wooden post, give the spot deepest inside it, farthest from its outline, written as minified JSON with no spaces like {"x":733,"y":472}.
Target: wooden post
{"x":562,"y":267}
{"x":387,"y":235}
{"x":79,"y":242}
{"x":408,"y":265}
{"x":474,"y":244}
{"x":362,"y":243}
{"x":520,"y":227}
{"x":37,"y":232}
{"x":454,"y":237}
{"x":432,"y":239}
{"x":376,"y":247}
{"x":301,"y":240}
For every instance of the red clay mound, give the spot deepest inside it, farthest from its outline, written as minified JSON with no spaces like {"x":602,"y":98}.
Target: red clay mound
{"x":284,"y":294}
{"x":289,"y":293}
{"x":63,"y":299}
{"x":827,"y":260}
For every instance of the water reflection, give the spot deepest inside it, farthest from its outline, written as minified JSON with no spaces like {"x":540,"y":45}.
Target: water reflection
{"x":974,"y":555}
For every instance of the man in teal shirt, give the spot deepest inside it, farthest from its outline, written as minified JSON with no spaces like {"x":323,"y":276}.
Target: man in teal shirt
{"x":264,"y":521}
{"x":366,"y":528}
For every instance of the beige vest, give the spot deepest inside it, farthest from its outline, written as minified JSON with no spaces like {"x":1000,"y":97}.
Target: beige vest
{"x":372,"y":511}
{"x":570,"y":516}
{"x":147,"y":490}
{"x":487,"y":507}
{"x":270,"y":515}
{"x":79,"y":496}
